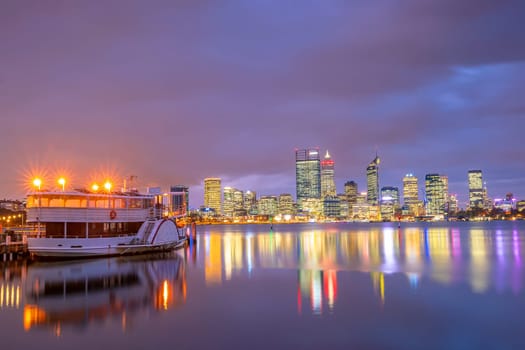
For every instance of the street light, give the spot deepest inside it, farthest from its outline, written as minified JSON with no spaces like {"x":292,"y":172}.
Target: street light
{"x":94,"y":187}
{"x":62,"y":182}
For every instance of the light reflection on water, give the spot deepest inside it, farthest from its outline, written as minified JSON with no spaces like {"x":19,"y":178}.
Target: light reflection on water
{"x":334,"y":283}
{"x":480,"y":257}
{"x":82,"y":292}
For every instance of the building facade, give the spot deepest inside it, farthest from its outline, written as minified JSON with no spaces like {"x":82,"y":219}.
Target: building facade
{"x":435,"y":194}
{"x":286,"y":205}
{"x":410,"y":190}
{"x":307,"y":175}
{"x":227,"y":201}
{"x":212,"y":194}
{"x":475,"y":189}
{"x":267,"y":205}
{"x":327,"y":176}
{"x":351,"y":192}
{"x":372,"y":180}
{"x":250,"y":202}
{"x":179,"y":198}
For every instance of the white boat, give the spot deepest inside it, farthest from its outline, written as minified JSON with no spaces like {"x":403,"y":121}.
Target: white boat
{"x":84,"y":223}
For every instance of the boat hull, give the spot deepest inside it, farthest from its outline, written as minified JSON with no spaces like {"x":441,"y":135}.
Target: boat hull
{"x":94,"y":247}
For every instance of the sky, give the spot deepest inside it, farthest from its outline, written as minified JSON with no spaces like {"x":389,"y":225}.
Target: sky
{"x":176,"y":91}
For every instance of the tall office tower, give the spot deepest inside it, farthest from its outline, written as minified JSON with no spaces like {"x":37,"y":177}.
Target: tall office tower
{"x":250,"y":202}
{"x":389,"y":193}
{"x":286,"y":204}
{"x":227,"y":201}
{"x":453,"y":203}
{"x":372,"y":180}
{"x":212,"y":194}
{"x":327,"y":176}
{"x":410,"y":190}
{"x":444,"y":180}
{"x":351,"y":192}
{"x":435,"y":194}
{"x":475,"y":189}
{"x":238,"y":203}
{"x":307,"y":174}
{"x":487,"y":201}
{"x":180,"y":198}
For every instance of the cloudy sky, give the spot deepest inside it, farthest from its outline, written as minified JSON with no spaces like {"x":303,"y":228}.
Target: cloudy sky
{"x":176,"y":91}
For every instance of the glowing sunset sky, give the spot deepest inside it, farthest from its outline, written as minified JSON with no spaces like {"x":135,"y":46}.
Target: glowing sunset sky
{"x":176,"y":91}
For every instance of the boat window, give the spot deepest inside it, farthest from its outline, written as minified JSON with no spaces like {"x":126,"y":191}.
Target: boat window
{"x":120,"y":203}
{"x":56,"y":202}
{"x":135,"y":203}
{"x":75,"y":203}
{"x":31,"y":202}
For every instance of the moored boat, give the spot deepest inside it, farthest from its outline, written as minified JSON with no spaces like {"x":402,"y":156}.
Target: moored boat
{"x":84,"y":223}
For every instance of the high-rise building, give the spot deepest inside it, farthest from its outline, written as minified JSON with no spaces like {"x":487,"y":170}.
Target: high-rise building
{"x":238,"y":203}
{"x":307,"y":174}
{"x":327,"y":176}
{"x":286,"y":204}
{"x":391,"y":194}
{"x":372,"y":180}
{"x":389,"y":202}
{"x":444,"y":180}
{"x":227,"y":201}
{"x":453,"y":207}
{"x":250,"y":202}
{"x":267,"y":205}
{"x":212,"y":194}
{"x":435,"y":194}
{"x":179,"y":198}
{"x":410,"y":190}
{"x":331,"y":207}
{"x":351,"y":192}
{"x":475,"y":189}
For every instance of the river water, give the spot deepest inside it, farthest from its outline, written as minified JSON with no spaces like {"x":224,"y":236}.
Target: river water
{"x":295,"y":286}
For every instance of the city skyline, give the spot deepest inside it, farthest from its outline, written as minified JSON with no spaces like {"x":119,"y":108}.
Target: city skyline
{"x":177,"y":92}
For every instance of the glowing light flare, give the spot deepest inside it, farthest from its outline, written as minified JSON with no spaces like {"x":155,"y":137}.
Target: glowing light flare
{"x":37,"y":182}
{"x":95,"y":187}
{"x":107,"y":186}
{"x":62,"y":182}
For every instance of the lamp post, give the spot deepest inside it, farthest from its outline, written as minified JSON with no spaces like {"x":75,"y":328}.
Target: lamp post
{"x":107,"y":186}
{"x":37,"y":182}
{"x":62,"y":182}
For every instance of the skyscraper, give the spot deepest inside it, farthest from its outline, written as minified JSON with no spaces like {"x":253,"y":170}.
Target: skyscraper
{"x":327,"y":176}
{"x":307,"y":174}
{"x":410,"y":190}
{"x":250,"y":202}
{"x":372,"y":180}
{"x":475,"y":189}
{"x":212,"y":194}
{"x":227,"y":201}
{"x":435,"y":194}
{"x":351,"y":192}
{"x":391,"y":194}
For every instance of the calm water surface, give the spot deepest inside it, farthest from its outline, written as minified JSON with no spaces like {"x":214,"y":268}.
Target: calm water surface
{"x":304,"y":286}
